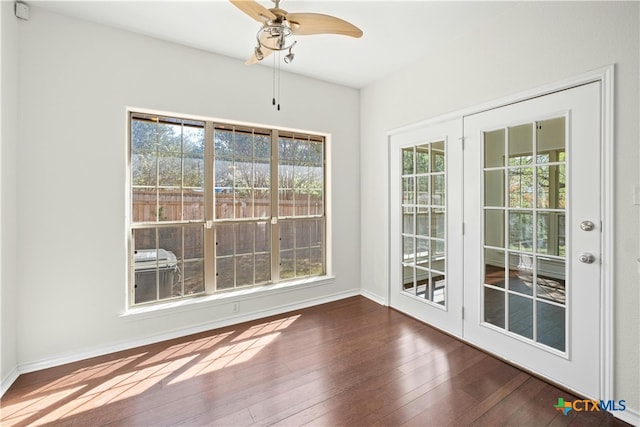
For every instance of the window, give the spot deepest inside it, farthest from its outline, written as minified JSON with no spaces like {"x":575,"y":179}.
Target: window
{"x":217,"y":207}
{"x":301,"y":195}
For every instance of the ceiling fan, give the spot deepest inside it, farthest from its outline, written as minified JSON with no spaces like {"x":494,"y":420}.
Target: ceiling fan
{"x":278,"y":26}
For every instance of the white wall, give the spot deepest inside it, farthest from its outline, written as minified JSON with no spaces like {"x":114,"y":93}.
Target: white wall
{"x":76,"y":79}
{"x":8,"y":144}
{"x":536,"y":44}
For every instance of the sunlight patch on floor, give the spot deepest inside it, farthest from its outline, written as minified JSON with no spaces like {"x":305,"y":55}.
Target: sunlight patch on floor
{"x":82,"y":376}
{"x":22,"y":410}
{"x":189,"y":347}
{"x":266,"y":328}
{"x":228,"y":355}
{"x":86,"y":389}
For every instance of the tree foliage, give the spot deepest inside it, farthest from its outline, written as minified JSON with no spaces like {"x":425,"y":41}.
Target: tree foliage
{"x":167,"y":154}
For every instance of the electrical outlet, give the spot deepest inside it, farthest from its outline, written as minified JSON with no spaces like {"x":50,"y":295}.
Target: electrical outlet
{"x":235,"y":307}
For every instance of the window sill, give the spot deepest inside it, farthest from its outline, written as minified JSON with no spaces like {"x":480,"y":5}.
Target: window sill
{"x":207,"y":301}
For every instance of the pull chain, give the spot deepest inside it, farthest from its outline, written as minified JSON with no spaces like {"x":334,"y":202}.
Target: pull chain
{"x":278,"y":81}
{"x":273,"y":102}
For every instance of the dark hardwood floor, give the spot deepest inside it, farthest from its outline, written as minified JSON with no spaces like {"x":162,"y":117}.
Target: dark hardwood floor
{"x":346,"y":363}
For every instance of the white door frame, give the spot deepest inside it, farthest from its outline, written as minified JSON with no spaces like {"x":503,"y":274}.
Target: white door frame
{"x":605,"y":75}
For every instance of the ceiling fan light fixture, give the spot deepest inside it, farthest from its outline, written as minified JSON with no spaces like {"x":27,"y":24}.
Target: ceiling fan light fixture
{"x":275,"y":36}
{"x":258,"y":53}
{"x":289,"y":56}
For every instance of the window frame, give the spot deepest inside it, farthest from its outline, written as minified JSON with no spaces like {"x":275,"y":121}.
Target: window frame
{"x":210,"y":223}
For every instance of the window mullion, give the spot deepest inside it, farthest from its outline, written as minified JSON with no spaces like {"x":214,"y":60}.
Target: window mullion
{"x":209,"y":232}
{"x":275,"y":226}
{"x":157,"y":170}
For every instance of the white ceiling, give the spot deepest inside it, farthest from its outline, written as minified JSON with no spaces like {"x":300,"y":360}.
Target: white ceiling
{"x":396,"y":33}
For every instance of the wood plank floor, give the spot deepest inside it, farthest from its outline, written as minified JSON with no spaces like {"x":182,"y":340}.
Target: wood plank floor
{"x":346,"y":363}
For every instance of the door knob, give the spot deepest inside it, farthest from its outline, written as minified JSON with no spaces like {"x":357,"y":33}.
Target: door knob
{"x":586,"y":258}
{"x":587,"y":225}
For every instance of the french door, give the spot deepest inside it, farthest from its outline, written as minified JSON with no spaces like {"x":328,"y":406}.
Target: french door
{"x":426,"y":242}
{"x":498,"y":240}
{"x":532,"y":246}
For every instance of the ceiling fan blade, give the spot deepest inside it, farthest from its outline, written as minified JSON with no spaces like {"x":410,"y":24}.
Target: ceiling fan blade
{"x":306,"y":24}
{"x":252,"y":60}
{"x":254,"y":10}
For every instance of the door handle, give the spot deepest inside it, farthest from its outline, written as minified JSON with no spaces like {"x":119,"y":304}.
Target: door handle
{"x":587,"y":225}
{"x":586,"y":258}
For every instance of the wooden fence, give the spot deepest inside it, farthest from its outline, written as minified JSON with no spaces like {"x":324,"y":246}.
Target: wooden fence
{"x":189,"y":206}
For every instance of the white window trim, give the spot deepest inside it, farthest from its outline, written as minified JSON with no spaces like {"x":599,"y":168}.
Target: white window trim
{"x":201,"y":302}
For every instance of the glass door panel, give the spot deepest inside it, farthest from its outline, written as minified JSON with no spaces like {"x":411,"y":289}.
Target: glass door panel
{"x":524,"y":263}
{"x":424,"y":213}
{"x":423,"y":230}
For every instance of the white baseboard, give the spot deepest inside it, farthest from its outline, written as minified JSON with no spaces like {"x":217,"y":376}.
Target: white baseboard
{"x":373,"y":297}
{"x":628,"y":416}
{"x":63,"y":359}
{"x":8,"y":380}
